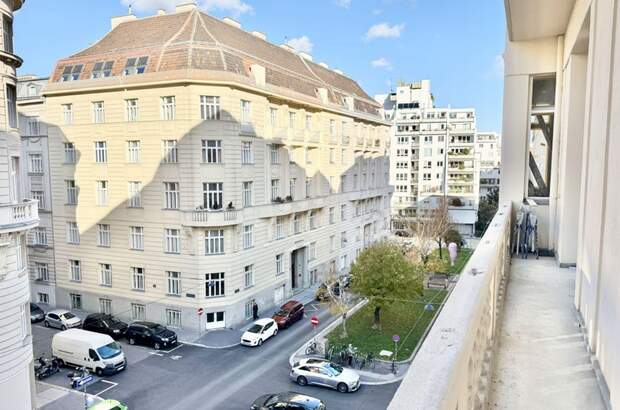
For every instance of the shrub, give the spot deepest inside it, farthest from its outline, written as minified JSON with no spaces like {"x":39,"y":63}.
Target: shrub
{"x":453,"y":236}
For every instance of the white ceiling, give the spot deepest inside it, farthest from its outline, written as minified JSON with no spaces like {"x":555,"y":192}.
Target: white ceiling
{"x":530,"y":19}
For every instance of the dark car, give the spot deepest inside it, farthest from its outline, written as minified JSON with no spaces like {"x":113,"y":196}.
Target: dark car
{"x":289,"y":313}
{"x":36,"y":313}
{"x":288,"y":400}
{"x":151,"y":334}
{"x":104,"y":323}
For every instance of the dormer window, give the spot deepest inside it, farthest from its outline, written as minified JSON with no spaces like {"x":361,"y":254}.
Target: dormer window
{"x":135,"y":65}
{"x":102,"y":69}
{"x":72,"y":72}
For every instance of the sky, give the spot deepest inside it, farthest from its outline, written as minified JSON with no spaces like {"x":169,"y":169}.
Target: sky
{"x":457,"y":44}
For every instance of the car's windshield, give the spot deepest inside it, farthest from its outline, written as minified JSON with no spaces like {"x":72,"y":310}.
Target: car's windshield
{"x":255,"y":329}
{"x":157,"y":329}
{"x":67,"y":315}
{"x":333,"y":368}
{"x":272,"y":400}
{"x":109,"y":350}
{"x":282,"y":313}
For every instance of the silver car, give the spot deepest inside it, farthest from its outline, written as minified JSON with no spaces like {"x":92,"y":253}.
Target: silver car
{"x":324,"y":373}
{"x":61,"y":319}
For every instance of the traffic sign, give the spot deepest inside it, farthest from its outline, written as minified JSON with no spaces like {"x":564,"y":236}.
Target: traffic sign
{"x":314,"y":320}
{"x":200,"y":311}
{"x":395,"y":338}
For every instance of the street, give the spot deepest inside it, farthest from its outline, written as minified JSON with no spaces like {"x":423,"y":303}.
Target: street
{"x":192,"y":377}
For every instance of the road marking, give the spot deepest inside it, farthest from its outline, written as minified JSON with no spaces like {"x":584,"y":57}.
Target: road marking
{"x":176,"y":357}
{"x":313,"y":306}
{"x":171,"y":350}
{"x":113,"y":385}
{"x":156,"y":354}
{"x":203,"y":346}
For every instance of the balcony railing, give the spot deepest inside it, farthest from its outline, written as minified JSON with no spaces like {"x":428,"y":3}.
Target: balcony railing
{"x":207,"y":217}
{"x":18,"y":217}
{"x":452,"y":367}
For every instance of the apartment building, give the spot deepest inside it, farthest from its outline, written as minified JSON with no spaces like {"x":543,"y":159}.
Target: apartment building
{"x":196,"y":165}
{"x":434,"y":155}
{"x":36,"y":185}
{"x":489,"y":146}
{"x":18,"y":216}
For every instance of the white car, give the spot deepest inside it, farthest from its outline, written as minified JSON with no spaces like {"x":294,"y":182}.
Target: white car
{"x":260,"y":331}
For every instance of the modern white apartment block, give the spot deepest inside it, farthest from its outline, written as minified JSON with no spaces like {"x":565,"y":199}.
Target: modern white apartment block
{"x":18,"y":215}
{"x":196,"y":165}
{"x":489,"y":147}
{"x":36,"y":184}
{"x":433,"y":155}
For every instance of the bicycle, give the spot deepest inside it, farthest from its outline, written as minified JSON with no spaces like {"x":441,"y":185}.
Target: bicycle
{"x":368,"y":361}
{"x":314,"y":348}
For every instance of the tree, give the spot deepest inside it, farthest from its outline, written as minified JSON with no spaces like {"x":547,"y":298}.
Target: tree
{"x":486,"y":211}
{"x":441,"y":223}
{"x":384,"y":275}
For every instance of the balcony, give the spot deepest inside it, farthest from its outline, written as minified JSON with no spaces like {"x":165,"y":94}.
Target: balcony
{"x":208,"y":218}
{"x":19,"y":217}
{"x":313,"y":136}
{"x":501,"y":344}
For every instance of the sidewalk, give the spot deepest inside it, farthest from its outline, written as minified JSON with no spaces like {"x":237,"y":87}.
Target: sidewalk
{"x":229,"y":337}
{"x":50,"y":397}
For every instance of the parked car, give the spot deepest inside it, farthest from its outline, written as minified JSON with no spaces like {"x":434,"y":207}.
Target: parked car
{"x":94,"y":351}
{"x":36,"y":313}
{"x":287,"y":400}
{"x":106,"y":324}
{"x":289,"y":313}
{"x":151,"y":334}
{"x":324,"y":373}
{"x":260,"y":331}
{"x":61,"y":319}
{"x":109,"y":405}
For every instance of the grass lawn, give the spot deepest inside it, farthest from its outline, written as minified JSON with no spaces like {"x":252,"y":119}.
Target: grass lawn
{"x":409,"y":320}
{"x":461,"y":258}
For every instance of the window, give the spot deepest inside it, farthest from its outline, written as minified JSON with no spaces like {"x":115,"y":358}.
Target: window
{"x":11,"y":101}
{"x":248,"y":276}
{"x":312,"y":219}
{"x":70,"y":156}
{"x":172,"y":239}
{"x":42,"y":271}
{"x":279,"y":227}
{"x":76,"y":301}
{"x":332,"y":128}
{"x":273,"y":117}
{"x":248,"y":236}
{"x":209,"y":107}
{"x":246,"y":152}
{"x":73,"y":233}
{"x":308,"y":156}
{"x":540,"y":138}
{"x":245,"y":111}
{"x":105,"y":306}
{"x":102,"y":69}
{"x":296,"y":224}
{"x":138,"y":312}
{"x":71,"y":192}
{"x":343,"y":183}
{"x":214,"y":242}
{"x":98,"y":112}
{"x":173,"y":317}
{"x":292,"y":187}
{"x":308,"y":187}
{"x":102,"y":193}
{"x":136,"y":238}
{"x":343,"y":239}
{"x":332,"y":243}
{"x":332,"y":155}
{"x":292,"y":119}
{"x":246,"y":188}
{"x":172,"y":195}
{"x":36,"y":163}
{"x":174,"y":283}
{"x":274,"y":154}
{"x":131,"y":109}
{"x":135,"y":195}
{"x":33,"y":126}
{"x":137,"y":278}
{"x":72,"y":72}
{"x":275,"y":189}
{"x":308,"y":122}
{"x":214,"y":284}
{"x":169,"y":151}
{"x":101,"y":152}
{"x":312,"y":251}
{"x":343,"y":212}
{"x":103,"y":235}
{"x":213,"y":195}
{"x":67,"y":113}
{"x":43,"y":298}
{"x":105,"y":274}
{"x":212,"y":151}
{"x":39,"y":236}
{"x":135,"y":65}
{"x":279,"y":264}
{"x":332,"y":215}
{"x":168,"y":108}
{"x":7,"y":33}
{"x":249,"y":309}
{"x":75,"y":270}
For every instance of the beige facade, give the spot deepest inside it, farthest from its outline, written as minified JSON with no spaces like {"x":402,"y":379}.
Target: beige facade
{"x":197,"y":189}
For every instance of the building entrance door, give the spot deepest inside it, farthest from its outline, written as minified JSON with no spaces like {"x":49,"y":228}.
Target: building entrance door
{"x":298,"y":260}
{"x":216,"y":320}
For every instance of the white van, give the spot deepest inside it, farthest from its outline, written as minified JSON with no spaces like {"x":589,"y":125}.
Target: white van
{"x":95,"y":351}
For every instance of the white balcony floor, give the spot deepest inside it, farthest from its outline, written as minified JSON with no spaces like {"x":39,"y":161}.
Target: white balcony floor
{"x":541,"y":361}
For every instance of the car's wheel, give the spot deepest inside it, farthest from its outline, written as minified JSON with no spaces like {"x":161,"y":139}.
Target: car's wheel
{"x":260,"y":342}
{"x":63,"y":327}
{"x":46,"y":324}
{"x":99,"y":372}
{"x":275,"y":332}
{"x":156,"y":345}
{"x":302,"y":381}
{"x":60,"y":362}
{"x":132,"y":341}
{"x":342,"y":388}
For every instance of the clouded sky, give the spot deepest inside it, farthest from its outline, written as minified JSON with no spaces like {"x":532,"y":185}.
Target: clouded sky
{"x":457,"y":44}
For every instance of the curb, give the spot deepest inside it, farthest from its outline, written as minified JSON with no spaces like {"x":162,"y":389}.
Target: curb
{"x":69,"y":390}
{"x":208,"y":347}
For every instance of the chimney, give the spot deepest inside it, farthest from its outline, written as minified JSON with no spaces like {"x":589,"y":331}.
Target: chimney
{"x":260,"y":35}
{"x":231,"y":22}
{"x":323,"y":95}
{"x":338,"y":71}
{"x":287,"y":47}
{"x":324,"y":65}
{"x":258,"y":72}
{"x":185,"y":7}
{"x":161,"y":12}
{"x":305,"y":55}
{"x":115,"y":21}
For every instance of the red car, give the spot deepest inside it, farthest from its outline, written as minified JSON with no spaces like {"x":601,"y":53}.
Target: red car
{"x":289,"y":313}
